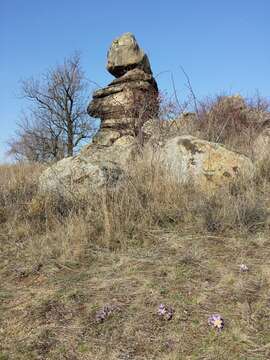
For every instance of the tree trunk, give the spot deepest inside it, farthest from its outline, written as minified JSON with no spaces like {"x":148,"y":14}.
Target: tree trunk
{"x":70,"y":137}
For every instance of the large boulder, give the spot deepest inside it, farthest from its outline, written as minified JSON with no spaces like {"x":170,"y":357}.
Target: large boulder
{"x":208,"y":165}
{"x":184,"y":158}
{"x":124,"y":107}
{"x":125,"y":54}
{"x":229,"y":104}
{"x":94,"y":168}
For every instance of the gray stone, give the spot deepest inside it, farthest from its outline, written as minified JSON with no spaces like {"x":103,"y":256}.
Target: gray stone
{"x":125,"y":104}
{"x":208,"y":165}
{"x":125,"y":54}
{"x":94,"y":168}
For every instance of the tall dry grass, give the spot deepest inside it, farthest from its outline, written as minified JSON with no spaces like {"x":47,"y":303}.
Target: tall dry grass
{"x":45,"y":227}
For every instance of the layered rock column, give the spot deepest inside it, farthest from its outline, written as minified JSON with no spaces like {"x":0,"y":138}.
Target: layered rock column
{"x":131,"y":99}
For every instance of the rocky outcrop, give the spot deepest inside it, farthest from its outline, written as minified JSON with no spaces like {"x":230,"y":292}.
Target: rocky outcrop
{"x":131,"y":99}
{"x":229,"y":104}
{"x":184,"y":158}
{"x":124,"y":107}
{"x":94,"y":168}
{"x":209,"y":165}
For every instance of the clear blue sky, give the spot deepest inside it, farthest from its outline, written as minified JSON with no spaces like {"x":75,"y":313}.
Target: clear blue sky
{"x":222,"y":45}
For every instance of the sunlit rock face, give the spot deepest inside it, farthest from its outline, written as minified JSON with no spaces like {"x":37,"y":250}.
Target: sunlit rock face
{"x":125,"y":54}
{"x":129,"y":100}
{"x":206,"y":164}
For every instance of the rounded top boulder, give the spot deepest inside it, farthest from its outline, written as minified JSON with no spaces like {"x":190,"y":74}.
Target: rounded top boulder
{"x":125,"y":54}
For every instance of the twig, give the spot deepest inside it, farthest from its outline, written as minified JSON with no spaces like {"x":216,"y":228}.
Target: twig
{"x":189,"y":86}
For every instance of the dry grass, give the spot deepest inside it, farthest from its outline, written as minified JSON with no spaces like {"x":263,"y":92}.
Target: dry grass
{"x":149,"y":242}
{"x":230,"y":120}
{"x":233,"y":120}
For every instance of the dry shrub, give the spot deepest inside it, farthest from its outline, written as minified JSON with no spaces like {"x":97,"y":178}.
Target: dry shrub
{"x":233,"y":120}
{"x":18,"y":182}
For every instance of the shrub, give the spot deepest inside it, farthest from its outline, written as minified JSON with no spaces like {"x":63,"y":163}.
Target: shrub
{"x":233,"y":121}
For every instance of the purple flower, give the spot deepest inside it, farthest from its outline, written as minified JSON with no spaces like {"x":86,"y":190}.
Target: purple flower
{"x":165,"y":312}
{"x":243,"y":268}
{"x":216,"y":321}
{"x":105,"y":312}
{"x":161,"y":310}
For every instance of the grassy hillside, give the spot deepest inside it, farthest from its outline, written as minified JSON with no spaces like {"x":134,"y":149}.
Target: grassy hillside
{"x":149,"y":242}
{"x":83,"y":276}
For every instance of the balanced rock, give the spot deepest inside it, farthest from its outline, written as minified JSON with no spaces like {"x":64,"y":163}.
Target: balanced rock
{"x":125,"y":54}
{"x":124,"y":107}
{"x":128,"y":101}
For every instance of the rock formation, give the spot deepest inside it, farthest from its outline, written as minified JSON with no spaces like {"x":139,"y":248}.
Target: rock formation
{"x":123,"y":107}
{"x":131,"y":99}
{"x":93,"y":168}
{"x":125,"y":55}
{"x":208,"y":165}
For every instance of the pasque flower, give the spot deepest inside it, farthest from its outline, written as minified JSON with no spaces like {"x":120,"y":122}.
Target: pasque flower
{"x":165,"y":312}
{"x":216,"y":321}
{"x":105,"y":312}
{"x":244,"y":268}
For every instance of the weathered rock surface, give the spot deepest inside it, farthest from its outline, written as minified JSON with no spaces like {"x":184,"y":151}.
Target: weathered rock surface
{"x":95,"y":167}
{"x":131,"y":99}
{"x":125,"y":54}
{"x":208,"y":165}
{"x":185,"y":158}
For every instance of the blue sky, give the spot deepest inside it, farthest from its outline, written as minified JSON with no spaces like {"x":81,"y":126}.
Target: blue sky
{"x":222,"y":45}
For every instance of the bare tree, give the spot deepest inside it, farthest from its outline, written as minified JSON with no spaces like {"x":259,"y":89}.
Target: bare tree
{"x":36,"y":141}
{"x":57,"y":120}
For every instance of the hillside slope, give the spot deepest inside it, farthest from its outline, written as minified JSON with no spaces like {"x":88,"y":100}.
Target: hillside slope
{"x":149,"y":243}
